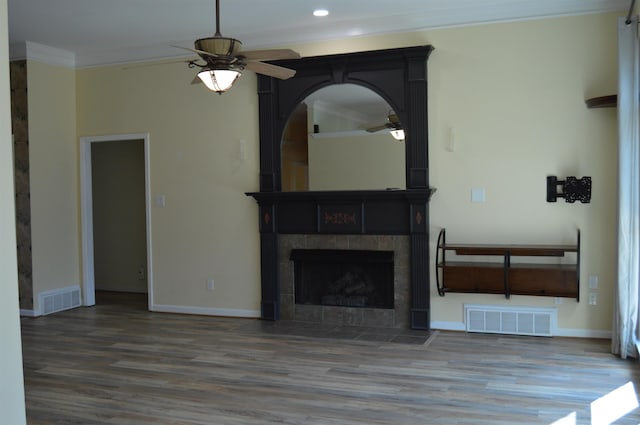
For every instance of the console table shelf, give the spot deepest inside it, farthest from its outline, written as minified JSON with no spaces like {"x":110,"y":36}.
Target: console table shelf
{"x":502,"y":276}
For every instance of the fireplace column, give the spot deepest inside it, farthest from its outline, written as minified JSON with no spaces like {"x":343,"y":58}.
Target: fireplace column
{"x":269,"y":261}
{"x":419,"y":274}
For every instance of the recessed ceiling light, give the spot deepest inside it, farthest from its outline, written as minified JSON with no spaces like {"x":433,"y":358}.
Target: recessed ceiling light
{"x":320,"y":12}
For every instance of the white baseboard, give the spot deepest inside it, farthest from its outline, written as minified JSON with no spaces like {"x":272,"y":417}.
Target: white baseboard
{"x":206,"y":311}
{"x":255,"y":314}
{"x":448,"y":326}
{"x":582,"y":333}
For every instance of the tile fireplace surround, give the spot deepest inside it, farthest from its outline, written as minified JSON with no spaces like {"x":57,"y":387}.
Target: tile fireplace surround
{"x":398,"y":317}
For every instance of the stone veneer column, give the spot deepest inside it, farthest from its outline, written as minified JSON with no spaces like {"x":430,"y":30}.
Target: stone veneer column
{"x":20,"y":129}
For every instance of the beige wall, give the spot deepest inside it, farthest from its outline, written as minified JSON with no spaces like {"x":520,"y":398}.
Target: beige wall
{"x":53,"y":173}
{"x":12,"y":407}
{"x":513,"y":94}
{"x":119,"y":216}
{"x":367,"y":161}
{"x":208,"y":228}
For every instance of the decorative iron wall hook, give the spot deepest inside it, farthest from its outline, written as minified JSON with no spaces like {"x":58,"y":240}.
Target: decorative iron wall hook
{"x":572,"y":189}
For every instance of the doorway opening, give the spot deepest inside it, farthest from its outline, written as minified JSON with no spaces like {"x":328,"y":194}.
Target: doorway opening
{"x":115,"y":201}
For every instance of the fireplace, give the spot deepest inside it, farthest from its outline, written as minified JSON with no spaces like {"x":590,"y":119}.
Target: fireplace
{"x":347,"y":219}
{"x":344,"y":278}
{"x":393,"y":250}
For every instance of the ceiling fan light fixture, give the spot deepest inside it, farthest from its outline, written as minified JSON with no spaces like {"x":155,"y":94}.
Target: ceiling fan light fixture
{"x":219,"y":80}
{"x":397,"y":134}
{"x":223,"y":61}
{"x":219,"y":45}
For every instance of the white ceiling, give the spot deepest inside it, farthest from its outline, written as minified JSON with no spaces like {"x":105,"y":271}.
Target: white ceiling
{"x":101,"y":32}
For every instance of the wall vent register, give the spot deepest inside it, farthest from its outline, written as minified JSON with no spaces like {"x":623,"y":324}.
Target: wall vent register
{"x":510,"y":320}
{"x":59,"y":299}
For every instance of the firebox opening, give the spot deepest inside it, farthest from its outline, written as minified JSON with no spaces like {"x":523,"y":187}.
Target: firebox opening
{"x":346,"y":278}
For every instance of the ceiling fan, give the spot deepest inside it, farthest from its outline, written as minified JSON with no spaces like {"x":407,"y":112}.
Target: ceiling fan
{"x":224,"y":61}
{"x":393,"y":124}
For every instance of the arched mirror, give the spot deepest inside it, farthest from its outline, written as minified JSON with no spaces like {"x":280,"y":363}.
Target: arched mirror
{"x":343,"y":137}
{"x":398,"y":75}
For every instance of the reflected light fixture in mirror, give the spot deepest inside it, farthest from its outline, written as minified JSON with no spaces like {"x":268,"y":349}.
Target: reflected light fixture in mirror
{"x":219,"y":80}
{"x":397,"y":134}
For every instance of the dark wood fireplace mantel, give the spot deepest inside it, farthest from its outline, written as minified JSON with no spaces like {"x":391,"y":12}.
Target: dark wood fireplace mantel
{"x":366,"y":212}
{"x":400,"y":77}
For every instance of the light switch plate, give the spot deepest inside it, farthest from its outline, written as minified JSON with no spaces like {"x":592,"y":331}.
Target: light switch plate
{"x":477,"y":195}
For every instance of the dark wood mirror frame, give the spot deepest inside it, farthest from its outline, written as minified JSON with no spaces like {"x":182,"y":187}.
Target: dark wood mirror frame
{"x":400,"y":77}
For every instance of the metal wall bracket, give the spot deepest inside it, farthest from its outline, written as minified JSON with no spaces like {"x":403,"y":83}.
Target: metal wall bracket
{"x":572,"y":189}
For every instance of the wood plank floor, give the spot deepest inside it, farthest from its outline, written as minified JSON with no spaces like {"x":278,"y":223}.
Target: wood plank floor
{"x":118,"y":364}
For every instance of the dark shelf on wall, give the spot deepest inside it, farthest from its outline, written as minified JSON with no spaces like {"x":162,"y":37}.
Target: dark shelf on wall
{"x":610,"y":101}
{"x":501,"y":276}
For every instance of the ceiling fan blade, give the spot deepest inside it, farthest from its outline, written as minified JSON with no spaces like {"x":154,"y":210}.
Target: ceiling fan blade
{"x":271,"y":70}
{"x":377,"y":128}
{"x":199,"y":52}
{"x":271,"y":54}
{"x":136,"y":65}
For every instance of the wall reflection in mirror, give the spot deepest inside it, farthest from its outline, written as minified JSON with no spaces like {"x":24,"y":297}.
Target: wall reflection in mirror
{"x":343,"y":137}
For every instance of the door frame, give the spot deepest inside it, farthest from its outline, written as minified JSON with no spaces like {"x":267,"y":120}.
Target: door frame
{"x":86,"y":211}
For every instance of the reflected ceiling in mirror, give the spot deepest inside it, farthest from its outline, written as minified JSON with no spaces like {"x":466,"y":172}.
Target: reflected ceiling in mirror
{"x":340,"y":138}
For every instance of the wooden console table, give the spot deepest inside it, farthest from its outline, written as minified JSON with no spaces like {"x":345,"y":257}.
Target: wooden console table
{"x":506,"y":277}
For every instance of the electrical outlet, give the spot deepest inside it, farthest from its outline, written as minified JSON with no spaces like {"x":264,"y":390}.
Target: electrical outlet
{"x":141,"y":273}
{"x":593,"y":298}
{"x":210,"y":284}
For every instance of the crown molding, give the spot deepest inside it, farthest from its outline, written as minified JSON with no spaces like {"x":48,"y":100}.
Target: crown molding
{"x":152,"y":40}
{"x":41,"y":53}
